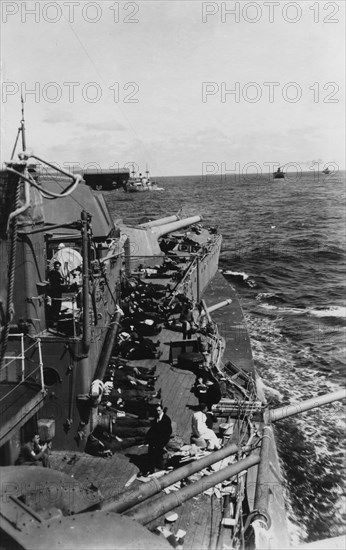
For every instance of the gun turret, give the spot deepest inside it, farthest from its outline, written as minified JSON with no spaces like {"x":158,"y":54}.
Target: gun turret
{"x":163,"y":229}
{"x":143,"y":241}
{"x":161,"y":221}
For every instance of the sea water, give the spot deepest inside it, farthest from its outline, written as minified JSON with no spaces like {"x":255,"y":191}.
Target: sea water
{"x":284,"y":251}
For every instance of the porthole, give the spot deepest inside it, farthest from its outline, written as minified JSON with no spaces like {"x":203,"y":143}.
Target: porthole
{"x":51,"y":377}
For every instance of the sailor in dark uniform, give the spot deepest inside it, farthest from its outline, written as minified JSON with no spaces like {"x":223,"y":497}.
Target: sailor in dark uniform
{"x":56,"y":281}
{"x":186,"y":319}
{"x":157,"y":438}
{"x":213,"y":394}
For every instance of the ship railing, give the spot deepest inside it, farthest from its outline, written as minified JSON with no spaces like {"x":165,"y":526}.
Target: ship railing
{"x":182,"y":286}
{"x":198,"y":257}
{"x":146,"y":262}
{"x":217,"y":345}
{"x":21,"y":356}
{"x":183,"y":283}
{"x":213,"y":334}
{"x":23,"y":377}
{"x":71,"y":313}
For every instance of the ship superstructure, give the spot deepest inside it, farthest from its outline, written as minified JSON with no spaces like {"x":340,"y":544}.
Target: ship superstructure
{"x":48,"y":362}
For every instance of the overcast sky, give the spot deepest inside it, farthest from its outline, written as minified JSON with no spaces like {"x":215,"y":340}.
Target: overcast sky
{"x":151,"y":82}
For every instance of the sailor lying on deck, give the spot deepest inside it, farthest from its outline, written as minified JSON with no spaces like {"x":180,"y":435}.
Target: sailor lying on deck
{"x":134,"y":346}
{"x":95,"y":447}
{"x":201,"y":430}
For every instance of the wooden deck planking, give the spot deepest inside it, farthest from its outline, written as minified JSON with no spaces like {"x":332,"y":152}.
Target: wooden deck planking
{"x":199,"y":516}
{"x":173,"y":382}
{"x":176,"y":385}
{"x":203,"y":532}
{"x":177,"y":389}
{"x":216,"y":520}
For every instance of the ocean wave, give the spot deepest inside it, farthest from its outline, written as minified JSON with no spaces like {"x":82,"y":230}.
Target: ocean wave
{"x":285,"y":310}
{"x":336,"y":312}
{"x":268,"y":391}
{"x":269,"y":306}
{"x":240,"y":276}
{"x":270,"y":297}
{"x":309,"y":444}
{"x":332,"y":253}
{"x":333,"y":311}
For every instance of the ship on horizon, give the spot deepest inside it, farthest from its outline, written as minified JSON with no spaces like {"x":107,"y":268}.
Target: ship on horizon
{"x":279,"y":173}
{"x":141,"y":183}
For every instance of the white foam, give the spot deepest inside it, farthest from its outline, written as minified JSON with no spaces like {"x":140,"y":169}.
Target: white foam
{"x":264,"y":295}
{"x":337,"y":311}
{"x":268,"y":306}
{"x":268,"y":390}
{"x":245,"y":276}
{"x":334,"y":311}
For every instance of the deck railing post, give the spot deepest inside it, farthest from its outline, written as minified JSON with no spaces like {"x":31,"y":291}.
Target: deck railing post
{"x":40,"y":363}
{"x":198,"y":290}
{"x":22,"y":355}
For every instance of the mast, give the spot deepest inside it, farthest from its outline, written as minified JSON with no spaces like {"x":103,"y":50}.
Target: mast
{"x":21,"y":130}
{"x":22,"y":125}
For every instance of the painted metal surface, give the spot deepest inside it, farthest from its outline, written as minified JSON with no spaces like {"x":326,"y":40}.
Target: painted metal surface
{"x":42,"y":509}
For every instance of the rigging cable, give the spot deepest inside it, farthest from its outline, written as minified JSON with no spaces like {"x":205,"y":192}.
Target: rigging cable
{"x":44,"y":192}
{"x":11,"y":276}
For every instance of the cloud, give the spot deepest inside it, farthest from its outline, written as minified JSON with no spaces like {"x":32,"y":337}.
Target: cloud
{"x":108,"y":126}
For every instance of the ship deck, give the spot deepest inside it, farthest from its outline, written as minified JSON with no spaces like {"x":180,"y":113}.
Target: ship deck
{"x":200,"y":516}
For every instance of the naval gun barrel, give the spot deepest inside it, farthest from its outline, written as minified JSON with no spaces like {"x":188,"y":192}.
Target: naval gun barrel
{"x":219,"y":305}
{"x":263,"y":486}
{"x":106,"y":351}
{"x":161,"y":221}
{"x":130,"y":498}
{"x":149,"y":510}
{"x":290,"y":410}
{"x":163,"y":229}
